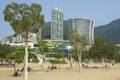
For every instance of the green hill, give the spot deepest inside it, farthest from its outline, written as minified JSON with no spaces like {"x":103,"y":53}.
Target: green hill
{"x":111,"y":31}
{"x":46,"y":30}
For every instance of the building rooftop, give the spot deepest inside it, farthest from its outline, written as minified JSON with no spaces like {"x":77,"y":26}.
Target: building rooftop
{"x":56,"y":8}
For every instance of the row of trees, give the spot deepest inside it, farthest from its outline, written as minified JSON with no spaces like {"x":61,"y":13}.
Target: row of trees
{"x":100,"y":50}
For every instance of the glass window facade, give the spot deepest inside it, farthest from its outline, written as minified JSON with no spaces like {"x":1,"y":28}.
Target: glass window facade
{"x":57,"y":24}
{"x":84,"y":27}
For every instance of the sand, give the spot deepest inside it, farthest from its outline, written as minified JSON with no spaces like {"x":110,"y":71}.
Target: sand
{"x":113,"y":73}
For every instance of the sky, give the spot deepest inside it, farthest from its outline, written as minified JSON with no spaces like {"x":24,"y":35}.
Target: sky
{"x":100,"y":11}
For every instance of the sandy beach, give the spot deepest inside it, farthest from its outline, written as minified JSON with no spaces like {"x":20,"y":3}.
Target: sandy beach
{"x":113,"y":73}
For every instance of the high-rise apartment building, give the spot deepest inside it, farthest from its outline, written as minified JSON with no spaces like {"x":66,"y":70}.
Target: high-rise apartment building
{"x":57,"y":24}
{"x":83,"y":26}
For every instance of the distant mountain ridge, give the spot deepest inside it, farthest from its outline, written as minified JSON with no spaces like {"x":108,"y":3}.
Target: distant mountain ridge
{"x":111,"y":31}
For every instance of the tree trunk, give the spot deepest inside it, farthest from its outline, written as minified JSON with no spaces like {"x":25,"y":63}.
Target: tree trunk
{"x":78,"y":60}
{"x":14,"y":66}
{"x":26,"y":56}
{"x":103,"y":62}
{"x":40,"y":33}
{"x":59,"y":63}
{"x":70,"y":59}
{"x":1,"y":61}
{"x":43,"y":61}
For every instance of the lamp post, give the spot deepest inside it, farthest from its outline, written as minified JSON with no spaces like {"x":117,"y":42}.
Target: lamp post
{"x":69,"y":56}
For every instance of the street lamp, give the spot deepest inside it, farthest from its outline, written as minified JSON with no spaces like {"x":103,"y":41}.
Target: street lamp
{"x":69,"y":57}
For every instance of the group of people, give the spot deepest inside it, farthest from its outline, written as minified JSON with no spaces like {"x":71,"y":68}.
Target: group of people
{"x":18,"y":72}
{"x":85,"y":66}
{"x":51,"y":68}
